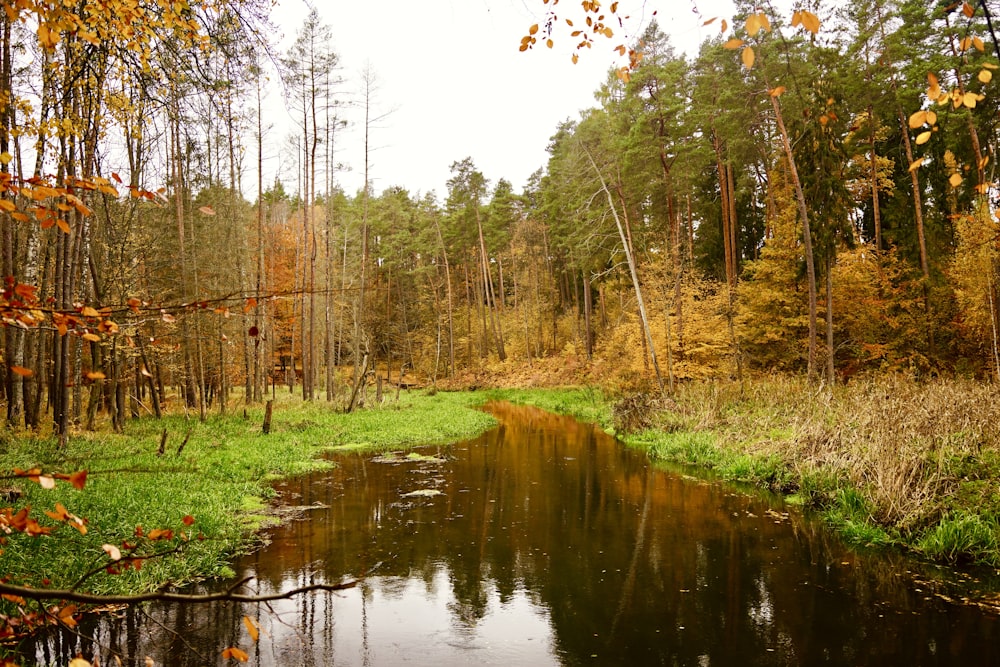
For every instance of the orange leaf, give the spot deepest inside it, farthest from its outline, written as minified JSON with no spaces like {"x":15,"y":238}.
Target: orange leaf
{"x":187,"y":520}
{"x":733,"y":43}
{"x":60,"y":514}
{"x":95,"y":375}
{"x":93,"y":338}
{"x":78,"y":479}
{"x":916,"y":164}
{"x":207,"y":210}
{"x":235,"y":654}
{"x":777,"y":91}
{"x":251,"y":628}
{"x":22,"y":371}
{"x":63,"y":225}
{"x":968,"y":10}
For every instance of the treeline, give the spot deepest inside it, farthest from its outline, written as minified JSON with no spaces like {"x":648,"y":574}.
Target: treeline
{"x":824,"y":206}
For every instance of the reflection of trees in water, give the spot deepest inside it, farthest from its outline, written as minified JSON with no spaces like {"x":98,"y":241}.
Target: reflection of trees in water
{"x":645,"y":567}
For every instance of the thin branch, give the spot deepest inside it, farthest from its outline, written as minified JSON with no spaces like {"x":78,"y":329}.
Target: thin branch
{"x":162,"y":596}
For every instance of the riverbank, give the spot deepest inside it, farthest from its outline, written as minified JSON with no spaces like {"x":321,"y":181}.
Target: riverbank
{"x":890,"y":462}
{"x":886,"y":462}
{"x":181,"y":515}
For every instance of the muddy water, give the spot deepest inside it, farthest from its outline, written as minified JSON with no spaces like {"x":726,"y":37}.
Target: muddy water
{"x":545,"y":542}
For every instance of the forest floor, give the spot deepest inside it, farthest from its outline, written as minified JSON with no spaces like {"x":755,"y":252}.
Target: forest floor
{"x":887,"y":462}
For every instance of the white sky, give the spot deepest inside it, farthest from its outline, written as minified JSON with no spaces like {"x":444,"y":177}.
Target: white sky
{"x":451,"y":72}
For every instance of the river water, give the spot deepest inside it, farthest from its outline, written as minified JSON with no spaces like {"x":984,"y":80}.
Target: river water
{"x":546,"y":542}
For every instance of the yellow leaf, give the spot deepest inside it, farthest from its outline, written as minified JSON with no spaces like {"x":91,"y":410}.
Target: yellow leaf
{"x":990,"y":66}
{"x":753,"y":25}
{"x":810,"y":22}
{"x":917,"y":119}
{"x":955,"y":180}
{"x":79,"y":662}
{"x":576,"y":58}
{"x":93,"y":338}
{"x":88,"y":311}
{"x":965,"y":43}
{"x":931,"y":118}
{"x":5,"y":157}
{"x":207,"y":210}
{"x":95,"y":375}
{"x":978,"y":43}
{"x":549,"y":43}
{"x":764,"y":22}
{"x":777,"y":91}
{"x":251,"y":628}
{"x":47,"y":37}
{"x":733,"y":43}
{"x":983,"y":161}
{"x":748,"y":57}
{"x":923,"y":138}
{"x":969,"y":100}
{"x":985,"y":76}
{"x":7,"y":205}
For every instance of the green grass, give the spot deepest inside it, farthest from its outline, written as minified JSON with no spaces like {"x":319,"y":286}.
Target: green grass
{"x":588,"y":404}
{"x":221,"y":478}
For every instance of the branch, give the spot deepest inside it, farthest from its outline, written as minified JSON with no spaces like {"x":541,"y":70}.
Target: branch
{"x":226,"y":596}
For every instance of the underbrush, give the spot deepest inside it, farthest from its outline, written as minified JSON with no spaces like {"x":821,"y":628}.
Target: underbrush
{"x":887,"y":460}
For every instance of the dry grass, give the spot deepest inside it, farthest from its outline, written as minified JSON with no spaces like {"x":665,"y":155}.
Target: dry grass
{"x":906,"y":447}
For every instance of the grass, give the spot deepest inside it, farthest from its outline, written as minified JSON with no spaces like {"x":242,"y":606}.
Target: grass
{"x":221,"y":478}
{"x":886,"y":461}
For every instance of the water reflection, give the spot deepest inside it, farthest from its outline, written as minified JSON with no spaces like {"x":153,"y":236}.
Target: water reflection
{"x":545,"y":542}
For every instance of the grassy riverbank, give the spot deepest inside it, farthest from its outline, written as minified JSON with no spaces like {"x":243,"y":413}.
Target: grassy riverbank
{"x":889,"y":462}
{"x":886,"y":462}
{"x":221,"y":479}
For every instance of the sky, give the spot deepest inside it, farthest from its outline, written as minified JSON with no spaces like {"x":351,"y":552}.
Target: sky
{"x":452,"y":83}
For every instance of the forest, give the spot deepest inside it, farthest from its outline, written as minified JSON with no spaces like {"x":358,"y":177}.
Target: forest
{"x":789,"y":200}
{"x":807,"y":205}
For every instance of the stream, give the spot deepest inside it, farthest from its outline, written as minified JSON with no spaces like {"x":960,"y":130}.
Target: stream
{"x":546,"y":542}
